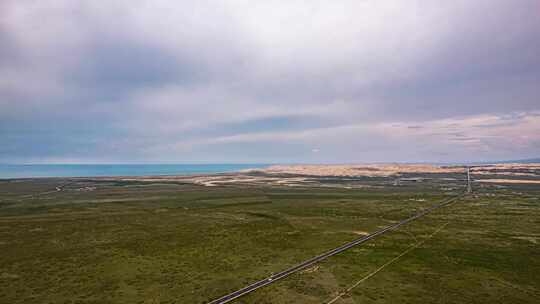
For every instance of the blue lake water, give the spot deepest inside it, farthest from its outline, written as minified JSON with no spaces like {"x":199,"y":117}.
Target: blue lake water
{"x":79,"y":170}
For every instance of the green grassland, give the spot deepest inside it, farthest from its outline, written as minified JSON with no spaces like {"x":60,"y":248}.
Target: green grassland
{"x":109,"y":241}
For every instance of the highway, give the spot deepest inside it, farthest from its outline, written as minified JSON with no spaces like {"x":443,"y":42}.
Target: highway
{"x":278,"y":276}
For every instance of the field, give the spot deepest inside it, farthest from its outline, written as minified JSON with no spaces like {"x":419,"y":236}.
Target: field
{"x":173,"y":241}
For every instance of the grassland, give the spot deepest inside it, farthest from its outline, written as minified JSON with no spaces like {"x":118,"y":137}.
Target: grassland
{"x":113,"y":241}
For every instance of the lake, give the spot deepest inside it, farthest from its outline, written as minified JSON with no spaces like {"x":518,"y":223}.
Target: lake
{"x":90,"y":170}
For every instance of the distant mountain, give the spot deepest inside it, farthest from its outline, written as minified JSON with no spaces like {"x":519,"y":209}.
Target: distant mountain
{"x":519,"y":161}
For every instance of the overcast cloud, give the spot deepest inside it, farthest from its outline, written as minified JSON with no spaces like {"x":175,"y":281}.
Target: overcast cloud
{"x":269,"y":81}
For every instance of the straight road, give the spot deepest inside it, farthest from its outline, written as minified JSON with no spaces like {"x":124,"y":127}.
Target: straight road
{"x":316,"y":259}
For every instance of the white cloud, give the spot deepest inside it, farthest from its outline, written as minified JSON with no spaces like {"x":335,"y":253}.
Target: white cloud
{"x":174,"y":77}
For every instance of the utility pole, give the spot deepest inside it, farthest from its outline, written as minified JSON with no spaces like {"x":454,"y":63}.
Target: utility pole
{"x":469,"y":187}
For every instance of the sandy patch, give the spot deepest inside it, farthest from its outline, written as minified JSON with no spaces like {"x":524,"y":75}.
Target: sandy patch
{"x":311,"y":269}
{"x":359,"y":170}
{"x":531,"y":239}
{"x":508,"y":181}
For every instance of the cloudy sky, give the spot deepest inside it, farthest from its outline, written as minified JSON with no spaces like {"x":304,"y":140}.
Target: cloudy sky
{"x":269,"y":81}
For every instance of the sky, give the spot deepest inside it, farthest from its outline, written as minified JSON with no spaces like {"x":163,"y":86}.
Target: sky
{"x":249,"y":81}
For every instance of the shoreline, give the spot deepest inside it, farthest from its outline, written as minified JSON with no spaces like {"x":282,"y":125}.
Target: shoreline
{"x":300,"y":174}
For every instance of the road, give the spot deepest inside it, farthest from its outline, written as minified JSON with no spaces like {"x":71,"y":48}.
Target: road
{"x":316,"y":259}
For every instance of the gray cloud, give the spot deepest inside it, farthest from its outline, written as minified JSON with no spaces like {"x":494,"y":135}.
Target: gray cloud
{"x":214,"y":81}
